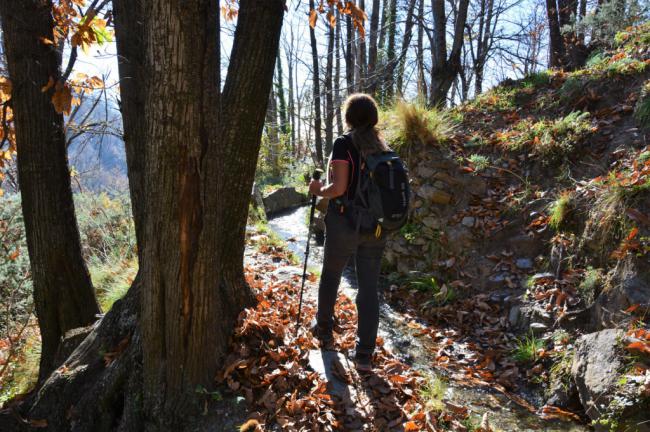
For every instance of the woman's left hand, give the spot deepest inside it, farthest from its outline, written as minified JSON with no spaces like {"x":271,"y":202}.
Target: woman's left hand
{"x":315,"y":187}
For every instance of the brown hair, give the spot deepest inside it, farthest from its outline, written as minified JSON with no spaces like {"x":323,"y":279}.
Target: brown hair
{"x":361,"y":116}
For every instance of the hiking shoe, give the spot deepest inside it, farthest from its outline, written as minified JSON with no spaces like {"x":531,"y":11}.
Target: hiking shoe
{"x":363,"y":362}
{"x":325,"y":338}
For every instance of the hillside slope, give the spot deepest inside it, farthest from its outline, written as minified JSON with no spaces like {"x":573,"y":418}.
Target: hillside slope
{"x":539,"y":200}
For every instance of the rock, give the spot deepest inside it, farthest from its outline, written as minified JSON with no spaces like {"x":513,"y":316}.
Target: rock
{"x":443,"y":176}
{"x":628,"y":285}
{"x":431,"y":222}
{"x":538,"y":328}
{"x":524,"y":263}
{"x":475,"y":185}
{"x":595,"y":369}
{"x":283,"y":199}
{"x":333,"y":368}
{"x":525,"y":245}
{"x":423,"y":171}
{"x":434,"y":195}
{"x":468,"y":221}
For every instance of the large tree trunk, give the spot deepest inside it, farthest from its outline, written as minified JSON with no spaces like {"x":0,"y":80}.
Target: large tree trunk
{"x":63,"y":292}
{"x":198,"y":173}
{"x":199,"y":176}
{"x":316,"y":92}
{"x":422,"y":83}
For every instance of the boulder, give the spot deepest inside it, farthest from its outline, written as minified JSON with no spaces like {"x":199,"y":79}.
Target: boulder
{"x":283,"y":199}
{"x":628,"y":284}
{"x":596,"y":368}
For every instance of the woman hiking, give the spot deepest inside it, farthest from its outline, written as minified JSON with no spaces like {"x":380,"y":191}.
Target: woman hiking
{"x":343,"y":239}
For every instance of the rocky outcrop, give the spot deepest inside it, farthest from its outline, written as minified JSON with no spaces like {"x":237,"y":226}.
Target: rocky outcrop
{"x":608,"y":395}
{"x":283,"y":199}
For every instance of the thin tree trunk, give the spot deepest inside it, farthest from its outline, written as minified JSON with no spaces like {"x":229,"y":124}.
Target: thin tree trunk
{"x":372,"y":50}
{"x":390,"y":54}
{"x":362,"y":58}
{"x":329,"y":88}
{"x":316,"y":92}
{"x":349,"y":56}
{"x":282,"y":103}
{"x":422,"y":84}
{"x":337,"y":76}
{"x":63,"y":292}
{"x":292,"y":104}
{"x":408,"y":34}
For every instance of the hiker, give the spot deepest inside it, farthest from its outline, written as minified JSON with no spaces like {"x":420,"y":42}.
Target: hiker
{"x":343,"y":235}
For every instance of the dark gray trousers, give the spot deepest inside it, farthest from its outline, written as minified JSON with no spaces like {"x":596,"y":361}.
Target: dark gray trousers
{"x":341,"y":243}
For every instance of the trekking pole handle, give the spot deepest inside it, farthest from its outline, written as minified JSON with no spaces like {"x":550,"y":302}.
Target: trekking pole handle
{"x":317,"y":174}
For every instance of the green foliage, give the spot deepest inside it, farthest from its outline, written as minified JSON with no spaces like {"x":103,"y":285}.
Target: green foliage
{"x":560,"y":210}
{"x":432,"y":392}
{"x":551,"y":140}
{"x":22,"y":374}
{"x":536,"y":80}
{"x":609,"y":18}
{"x":440,"y":295}
{"x":590,"y":284}
{"x":479,"y":162}
{"x":407,"y":123}
{"x":108,"y":244}
{"x":642,"y":110}
{"x":526,"y":349}
{"x":410,"y":231}
{"x":572,"y":89}
{"x":560,"y":370}
{"x":500,"y":98}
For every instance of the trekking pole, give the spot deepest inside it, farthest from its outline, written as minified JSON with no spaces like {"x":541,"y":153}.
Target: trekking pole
{"x":315,"y":176}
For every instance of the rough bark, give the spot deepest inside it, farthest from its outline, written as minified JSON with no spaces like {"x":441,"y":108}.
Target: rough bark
{"x":316,"y":93}
{"x":199,"y":175}
{"x":422,"y":83}
{"x":63,"y":292}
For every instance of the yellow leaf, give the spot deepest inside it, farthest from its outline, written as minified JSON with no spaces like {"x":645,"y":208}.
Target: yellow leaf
{"x":62,"y":98}
{"x":313,"y":16}
{"x":332,"y":19}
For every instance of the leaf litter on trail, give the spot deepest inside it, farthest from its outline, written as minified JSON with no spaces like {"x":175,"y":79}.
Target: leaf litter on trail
{"x":269,"y":366}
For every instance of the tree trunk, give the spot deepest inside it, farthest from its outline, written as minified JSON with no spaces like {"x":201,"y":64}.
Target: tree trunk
{"x":199,"y":177}
{"x":556,"y":50}
{"x":128,"y":17}
{"x":292,"y":103}
{"x":349,"y":56}
{"x":329,"y":88}
{"x":422,"y":83}
{"x":408,"y":34}
{"x":282,"y":103}
{"x":63,"y":292}
{"x":372,"y":50}
{"x":316,"y":92}
{"x":389,"y":76}
{"x":362,"y":58}
{"x":337,"y":76}
{"x":445,"y":70}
